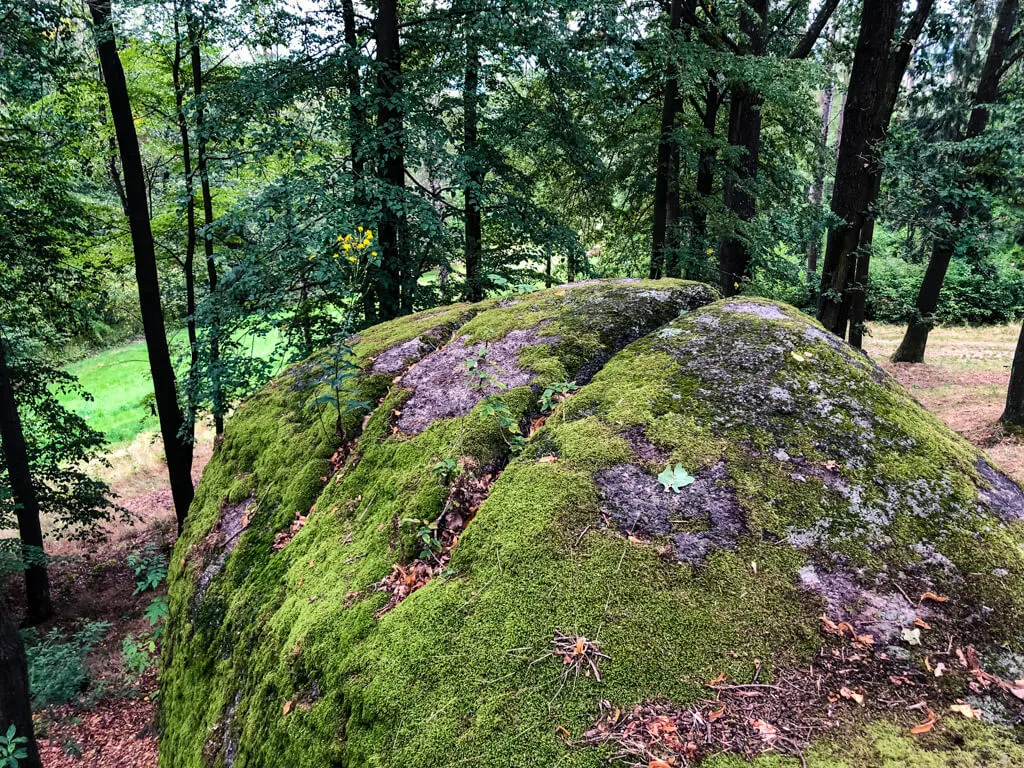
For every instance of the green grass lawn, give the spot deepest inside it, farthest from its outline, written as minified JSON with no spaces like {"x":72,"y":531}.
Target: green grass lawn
{"x":118,"y":380}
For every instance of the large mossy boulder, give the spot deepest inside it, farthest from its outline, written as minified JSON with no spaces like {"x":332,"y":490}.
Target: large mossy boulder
{"x":733,"y":538}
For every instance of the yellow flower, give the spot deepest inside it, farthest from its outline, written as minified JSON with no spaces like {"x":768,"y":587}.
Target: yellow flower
{"x":346,"y":246}
{"x":709,"y":251}
{"x":359,"y":228}
{"x":369,"y":234}
{"x":339,"y":238}
{"x":352,"y":259}
{"x":373,"y":253}
{"x":335,"y":255}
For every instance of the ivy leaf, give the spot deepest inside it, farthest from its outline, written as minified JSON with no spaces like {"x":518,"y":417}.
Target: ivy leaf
{"x":675,"y":479}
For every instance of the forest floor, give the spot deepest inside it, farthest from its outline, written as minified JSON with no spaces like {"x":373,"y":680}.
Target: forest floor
{"x":963,"y":382}
{"x":113,"y":721}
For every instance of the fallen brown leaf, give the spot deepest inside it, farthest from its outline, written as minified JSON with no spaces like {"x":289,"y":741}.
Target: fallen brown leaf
{"x":966,"y":710}
{"x":926,"y":726}
{"x":847,"y":693}
{"x":934,"y":597}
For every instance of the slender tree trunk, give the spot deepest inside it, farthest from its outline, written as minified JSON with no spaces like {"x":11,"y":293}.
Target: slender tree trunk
{"x":878,"y":68}
{"x":817,"y":192}
{"x":177,"y":444}
{"x":394,"y":279}
{"x":15,"y":701}
{"x":667,"y":171}
{"x":475,"y":175}
{"x":218,"y":406}
{"x":19,"y":474}
{"x":745,"y":134}
{"x":705,"y":183}
{"x":188,"y":266}
{"x":357,"y":133}
{"x":915,"y":340}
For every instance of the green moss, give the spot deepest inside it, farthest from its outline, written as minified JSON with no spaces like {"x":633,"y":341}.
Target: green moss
{"x":461,"y":670}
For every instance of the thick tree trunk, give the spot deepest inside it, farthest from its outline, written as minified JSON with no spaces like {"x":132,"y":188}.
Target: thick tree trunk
{"x":394,"y":281}
{"x":15,"y":701}
{"x":878,"y":67}
{"x":475,"y":173}
{"x":218,"y":406}
{"x":915,"y":340}
{"x":19,"y":475}
{"x":745,"y":134}
{"x":666,"y":178}
{"x":177,"y":445}
{"x":817,"y":192}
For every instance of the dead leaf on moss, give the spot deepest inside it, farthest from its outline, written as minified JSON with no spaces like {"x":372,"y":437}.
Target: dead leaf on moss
{"x":765,"y":730}
{"x":288,"y":706}
{"x":966,"y":710}
{"x":932,"y":596}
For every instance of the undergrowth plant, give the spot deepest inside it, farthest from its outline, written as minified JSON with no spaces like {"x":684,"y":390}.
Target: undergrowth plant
{"x":57,"y":671}
{"x":12,"y":748}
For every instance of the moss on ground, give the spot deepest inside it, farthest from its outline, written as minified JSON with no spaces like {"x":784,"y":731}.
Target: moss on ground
{"x":279,"y":653}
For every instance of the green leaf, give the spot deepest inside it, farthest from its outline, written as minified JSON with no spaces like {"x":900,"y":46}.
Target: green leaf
{"x":675,"y":478}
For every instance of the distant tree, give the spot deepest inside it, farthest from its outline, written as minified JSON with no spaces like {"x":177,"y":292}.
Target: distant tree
{"x":959,"y":205}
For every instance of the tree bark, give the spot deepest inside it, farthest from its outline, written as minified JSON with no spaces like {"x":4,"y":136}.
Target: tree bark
{"x":15,"y":700}
{"x":19,"y":475}
{"x":878,"y":67}
{"x":475,"y":172}
{"x":744,"y":133}
{"x":666,"y":179}
{"x":177,"y":445}
{"x":915,"y":340}
{"x":394,"y":281}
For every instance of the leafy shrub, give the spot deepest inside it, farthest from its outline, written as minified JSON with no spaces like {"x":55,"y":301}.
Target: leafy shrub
{"x":978,"y":294}
{"x":57,"y":671}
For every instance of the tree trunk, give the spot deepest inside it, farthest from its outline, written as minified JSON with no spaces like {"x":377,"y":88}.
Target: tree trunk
{"x":878,"y":67}
{"x":666,"y":178}
{"x":817,"y":192}
{"x":188,"y":266}
{"x":1013,"y":413}
{"x":19,"y":474}
{"x":15,"y":701}
{"x":744,"y":133}
{"x":475,"y":174}
{"x":915,"y":340}
{"x":177,"y":445}
{"x":218,"y":406}
{"x":357,"y":132}
{"x":705,"y":183}
{"x":391,"y":152}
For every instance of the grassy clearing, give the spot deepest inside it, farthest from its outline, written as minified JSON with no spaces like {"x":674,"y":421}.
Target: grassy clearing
{"x":118,"y":380}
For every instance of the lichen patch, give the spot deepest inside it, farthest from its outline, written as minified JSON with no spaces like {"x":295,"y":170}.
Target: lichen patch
{"x":443,"y":388}
{"x":703,"y":517}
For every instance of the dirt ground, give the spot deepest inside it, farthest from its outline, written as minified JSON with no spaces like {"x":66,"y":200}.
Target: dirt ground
{"x":114,"y":723}
{"x":963,"y":382}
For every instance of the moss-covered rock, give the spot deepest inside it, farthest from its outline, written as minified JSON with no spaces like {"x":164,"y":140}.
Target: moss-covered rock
{"x":459,"y":578}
